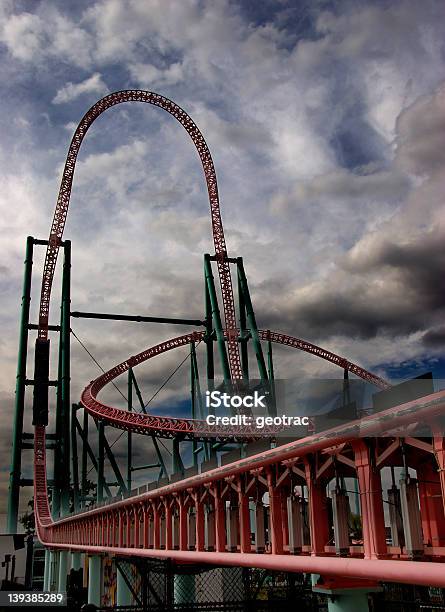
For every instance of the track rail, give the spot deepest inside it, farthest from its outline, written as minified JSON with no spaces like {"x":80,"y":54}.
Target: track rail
{"x":63,"y":200}
{"x":68,"y":532}
{"x":125,"y":527}
{"x":168,"y":427}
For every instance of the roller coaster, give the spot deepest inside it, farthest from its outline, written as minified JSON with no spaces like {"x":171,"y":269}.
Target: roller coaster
{"x":207,"y":517}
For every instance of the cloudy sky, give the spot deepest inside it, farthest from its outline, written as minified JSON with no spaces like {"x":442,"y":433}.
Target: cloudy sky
{"x":326,"y":122}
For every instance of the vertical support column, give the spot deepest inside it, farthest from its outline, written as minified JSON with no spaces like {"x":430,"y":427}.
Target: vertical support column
{"x":75,"y":460}
{"x":61,"y":491}
{"x":60,"y":496}
{"x":318,"y":512}
{"x":260,"y":532}
{"x":138,"y":514}
{"x":176,"y":543}
{"x":177,"y":464}
{"x":295,"y":524}
{"x":156,"y":527}
{"x":232,"y":522}
{"x":244,"y":337}
{"x":198,"y":404}
{"x":193,"y":404}
{"x":84,"y":479}
{"x":151,"y":531}
{"x":123,"y":593}
{"x":19,"y":406}
{"x":244,"y":518}
{"x":395,"y":517}
{"x":272,"y":406}
{"x":284,"y":518}
{"x":200,"y":523}
{"x":95,"y":580}
{"x":100,"y":463}
{"x":209,"y":528}
{"x":411,"y":517}
{"x":276,"y":517}
{"x":58,"y":448}
{"x":216,"y":317}
{"x":162,"y":527}
{"x":47,"y":570}
{"x":65,"y":381}
{"x":439,"y":453}
{"x":370,"y":486}
{"x":129,"y":440}
{"x":120,"y":523}
{"x":146,"y":528}
{"x":63,"y":571}
{"x":53,"y":574}
{"x":431,"y":504}
{"x":251,"y":320}
{"x":210,"y":365}
{"x":183,"y":524}
{"x":340,"y":512}
{"x":168,"y":525}
{"x":128,"y":529}
{"x":349,"y":602}
{"x":220,"y":520}
{"x":191,"y":531}
{"x":209,"y":338}
{"x":76,"y":560}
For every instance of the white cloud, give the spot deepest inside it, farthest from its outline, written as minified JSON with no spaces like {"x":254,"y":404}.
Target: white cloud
{"x":71,"y":91}
{"x":271,"y":107}
{"x":46,"y":34}
{"x":421,"y":132}
{"x":24,"y":35}
{"x":147,"y":74}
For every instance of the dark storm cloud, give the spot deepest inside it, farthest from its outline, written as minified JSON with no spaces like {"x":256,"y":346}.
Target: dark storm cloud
{"x":434,"y":338}
{"x":351,"y":302}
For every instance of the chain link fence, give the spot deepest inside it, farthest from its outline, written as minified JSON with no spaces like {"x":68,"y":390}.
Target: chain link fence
{"x":162,"y":585}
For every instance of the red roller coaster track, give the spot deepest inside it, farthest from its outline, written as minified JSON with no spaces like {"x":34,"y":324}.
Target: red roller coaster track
{"x":96,"y":530}
{"x":63,"y":201}
{"x":188,"y":428}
